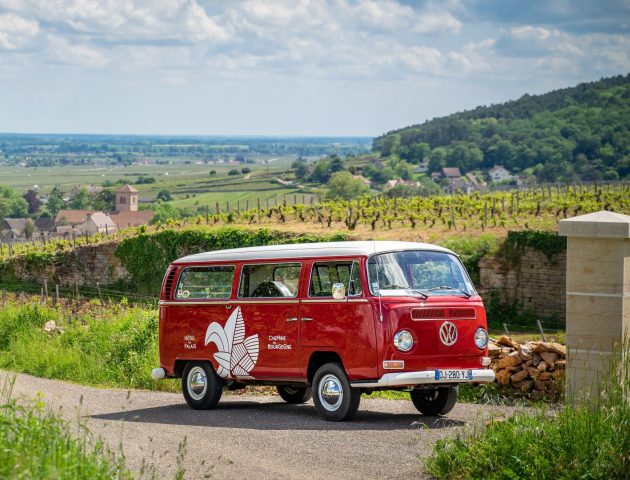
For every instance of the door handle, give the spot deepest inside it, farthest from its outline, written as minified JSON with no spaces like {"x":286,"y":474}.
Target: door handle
{"x":292,"y":319}
{"x":307,"y":319}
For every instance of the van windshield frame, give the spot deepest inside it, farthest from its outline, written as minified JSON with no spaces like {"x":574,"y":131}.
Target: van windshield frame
{"x":422,"y":273}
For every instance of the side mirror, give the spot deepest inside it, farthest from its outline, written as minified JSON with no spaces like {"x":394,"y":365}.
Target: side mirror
{"x":338,"y":291}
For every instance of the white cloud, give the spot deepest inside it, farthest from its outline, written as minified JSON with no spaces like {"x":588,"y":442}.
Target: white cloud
{"x":61,"y":51}
{"x":363,"y":40}
{"x":16,"y":31}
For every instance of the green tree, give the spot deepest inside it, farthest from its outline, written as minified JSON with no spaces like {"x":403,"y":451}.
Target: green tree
{"x":104,"y":201}
{"x":342,"y":185}
{"x":81,"y":200}
{"x":29,"y":228}
{"x":164,"y":196}
{"x":55,"y":201}
{"x":34,"y":203}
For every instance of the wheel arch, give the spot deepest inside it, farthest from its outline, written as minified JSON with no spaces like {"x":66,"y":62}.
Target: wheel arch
{"x":319,"y":358}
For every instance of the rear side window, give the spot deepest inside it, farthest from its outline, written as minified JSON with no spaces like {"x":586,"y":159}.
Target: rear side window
{"x":205,"y":282}
{"x":325,"y":274}
{"x":270,"y":280}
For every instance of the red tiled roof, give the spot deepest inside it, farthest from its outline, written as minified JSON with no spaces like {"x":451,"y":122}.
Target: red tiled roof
{"x":131,"y":219}
{"x":451,"y":172}
{"x":127,"y":188}
{"x":72,"y":217}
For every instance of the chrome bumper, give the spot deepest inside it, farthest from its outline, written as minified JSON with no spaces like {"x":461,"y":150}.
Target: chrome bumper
{"x":423,"y":377}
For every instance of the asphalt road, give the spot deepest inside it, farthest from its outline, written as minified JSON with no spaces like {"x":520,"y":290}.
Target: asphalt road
{"x":254,"y":436}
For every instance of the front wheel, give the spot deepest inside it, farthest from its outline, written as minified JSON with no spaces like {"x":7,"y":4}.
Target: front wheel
{"x":333,"y":396}
{"x":434,"y":401}
{"x":295,"y":394}
{"x":201,"y":386}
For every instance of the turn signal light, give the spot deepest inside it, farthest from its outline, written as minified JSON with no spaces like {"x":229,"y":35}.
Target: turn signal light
{"x":485,"y":361}
{"x":394,"y":364}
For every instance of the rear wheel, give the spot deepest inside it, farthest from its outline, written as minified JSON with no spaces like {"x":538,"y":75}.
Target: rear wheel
{"x":333,"y":397}
{"x":295,"y":394}
{"x":434,"y":401}
{"x":201,"y":386}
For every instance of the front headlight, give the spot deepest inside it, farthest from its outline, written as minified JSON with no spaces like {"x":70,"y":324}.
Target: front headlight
{"x":403,"y":340}
{"x":481,"y":338}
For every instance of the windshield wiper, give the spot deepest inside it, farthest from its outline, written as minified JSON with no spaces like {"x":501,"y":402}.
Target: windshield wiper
{"x":446,"y":287}
{"x":401,"y":287}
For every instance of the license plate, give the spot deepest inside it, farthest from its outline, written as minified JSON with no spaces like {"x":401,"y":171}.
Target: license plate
{"x":453,"y":375}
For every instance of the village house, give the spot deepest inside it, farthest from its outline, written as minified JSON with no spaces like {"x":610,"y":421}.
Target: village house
{"x":399,"y":181}
{"x":498,"y":174}
{"x":459,"y":185}
{"x":451,"y":172}
{"x":12,"y":229}
{"x":422,"y":167}
{"x":98,"y":222}
{"x":126,"y":214}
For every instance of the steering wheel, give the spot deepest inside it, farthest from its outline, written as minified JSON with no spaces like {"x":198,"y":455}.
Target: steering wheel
{"x":271,"y":289}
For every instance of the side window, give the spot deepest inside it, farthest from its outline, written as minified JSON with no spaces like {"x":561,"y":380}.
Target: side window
{"x":205,"y":282}
{"x":325,"y":274}
{"x":270,"y":280}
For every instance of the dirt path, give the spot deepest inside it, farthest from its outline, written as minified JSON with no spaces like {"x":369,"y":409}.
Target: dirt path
{"x":256,"y":437}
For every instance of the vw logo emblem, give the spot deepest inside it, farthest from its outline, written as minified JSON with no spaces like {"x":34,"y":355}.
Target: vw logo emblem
{"x":448,"y":333}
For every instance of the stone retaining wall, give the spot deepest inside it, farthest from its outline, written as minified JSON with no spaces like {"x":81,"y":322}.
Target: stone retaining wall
{"x":534,"y":281}
{"x":85,"y":265}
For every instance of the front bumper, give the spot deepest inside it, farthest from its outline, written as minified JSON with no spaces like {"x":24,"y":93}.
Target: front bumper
{"x":403,"y":379}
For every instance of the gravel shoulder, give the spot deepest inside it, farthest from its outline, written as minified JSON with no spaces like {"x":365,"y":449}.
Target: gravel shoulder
{"x":255,"y":436}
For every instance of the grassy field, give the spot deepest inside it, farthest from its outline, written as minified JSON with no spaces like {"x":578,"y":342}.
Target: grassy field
{"x":166,"y":175}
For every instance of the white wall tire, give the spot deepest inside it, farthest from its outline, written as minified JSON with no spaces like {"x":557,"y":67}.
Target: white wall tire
{"x":201,"y":386}
{"x":333,"y":396}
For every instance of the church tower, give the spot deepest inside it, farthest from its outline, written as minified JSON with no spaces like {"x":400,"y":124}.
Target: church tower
{"x":126,"y":199}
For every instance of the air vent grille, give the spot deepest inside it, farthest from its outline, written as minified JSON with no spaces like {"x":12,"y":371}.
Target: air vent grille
{"x":443,"y":313}
{"x":168,"y":283}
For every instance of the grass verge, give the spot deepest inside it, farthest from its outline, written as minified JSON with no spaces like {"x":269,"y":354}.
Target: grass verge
{"x":587,"y":439}
{"x":38,"y":444}
{"x":113,"y":346}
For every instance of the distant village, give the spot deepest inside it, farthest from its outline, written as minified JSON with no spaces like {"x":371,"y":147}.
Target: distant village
{"x":68,"y":223}
{"x":452,"y":180}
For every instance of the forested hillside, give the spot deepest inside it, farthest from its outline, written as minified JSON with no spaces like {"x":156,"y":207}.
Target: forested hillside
{"x":577,"y":133}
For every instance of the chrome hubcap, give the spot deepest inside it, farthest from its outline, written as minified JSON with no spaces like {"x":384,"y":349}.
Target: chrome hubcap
{"x":197,"y":383}
{"x":330,"y":392}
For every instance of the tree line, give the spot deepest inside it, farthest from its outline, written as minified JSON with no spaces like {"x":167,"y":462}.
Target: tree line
{"x":567,"y":135}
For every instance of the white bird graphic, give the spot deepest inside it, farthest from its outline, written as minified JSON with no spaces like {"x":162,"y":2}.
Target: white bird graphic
{"x":237,"y":355}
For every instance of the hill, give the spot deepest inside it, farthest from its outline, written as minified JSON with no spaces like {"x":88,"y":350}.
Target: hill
{"x":577,"y":133}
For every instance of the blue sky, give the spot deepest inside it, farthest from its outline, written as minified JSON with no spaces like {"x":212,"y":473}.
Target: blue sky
{"x":303,"y":67}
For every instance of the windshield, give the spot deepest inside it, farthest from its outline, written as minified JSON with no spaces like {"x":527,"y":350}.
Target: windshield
{"x":418,"y":273}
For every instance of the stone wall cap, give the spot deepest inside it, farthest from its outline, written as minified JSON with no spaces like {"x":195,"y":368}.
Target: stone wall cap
{"x":602,"y":224}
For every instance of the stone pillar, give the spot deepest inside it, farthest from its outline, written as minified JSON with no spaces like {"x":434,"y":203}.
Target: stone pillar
{"x":598,"y":295}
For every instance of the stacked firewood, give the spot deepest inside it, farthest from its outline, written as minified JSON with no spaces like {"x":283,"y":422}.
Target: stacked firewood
{"x":532,"y":368}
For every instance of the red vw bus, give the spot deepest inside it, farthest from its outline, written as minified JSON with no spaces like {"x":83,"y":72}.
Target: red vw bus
{"x":327,"y":320}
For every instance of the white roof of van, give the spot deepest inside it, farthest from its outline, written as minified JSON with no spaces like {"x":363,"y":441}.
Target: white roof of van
{"x":309,"y":250}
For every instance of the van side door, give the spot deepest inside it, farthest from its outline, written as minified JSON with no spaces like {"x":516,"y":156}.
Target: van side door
{"x":269,"y":305}
{"x":344,"y":326}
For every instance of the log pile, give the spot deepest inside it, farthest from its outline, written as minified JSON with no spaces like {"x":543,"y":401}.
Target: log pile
{"x":535,"y":369}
